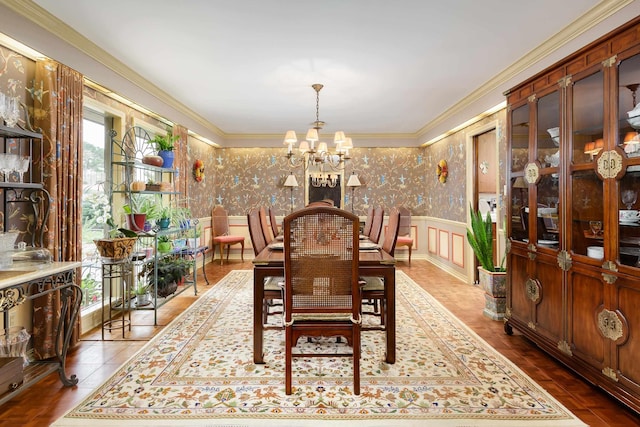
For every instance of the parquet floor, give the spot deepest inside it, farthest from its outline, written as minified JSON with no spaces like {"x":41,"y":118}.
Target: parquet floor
{"x":94,"y":360}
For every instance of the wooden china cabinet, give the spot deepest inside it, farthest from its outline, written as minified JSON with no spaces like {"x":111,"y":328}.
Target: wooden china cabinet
{"x":574,"y":235}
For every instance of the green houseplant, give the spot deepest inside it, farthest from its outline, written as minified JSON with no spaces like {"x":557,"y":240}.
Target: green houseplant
{"x":493,"y":278}
{"x":171,"y":272}
{"x":165,"y":145}
{"x":480,"y":238}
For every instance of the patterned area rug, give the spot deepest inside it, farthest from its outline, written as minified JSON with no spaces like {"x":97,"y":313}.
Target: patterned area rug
{"x":199,"y":371}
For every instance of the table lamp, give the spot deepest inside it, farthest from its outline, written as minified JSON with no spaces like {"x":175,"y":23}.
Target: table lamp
{"x":291,"y":182}
{"x":353,"y":182}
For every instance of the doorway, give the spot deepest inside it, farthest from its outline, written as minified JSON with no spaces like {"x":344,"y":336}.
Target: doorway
{"x":483,"y":185}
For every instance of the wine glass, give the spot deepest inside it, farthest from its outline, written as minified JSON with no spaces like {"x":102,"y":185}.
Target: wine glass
{"x":629,"y":198}
{"x":23,"y":166}
{"x":596,"y":227}
{"x":8,"y":165}
{"x":13,"y":111}
{"x":3,"y":107}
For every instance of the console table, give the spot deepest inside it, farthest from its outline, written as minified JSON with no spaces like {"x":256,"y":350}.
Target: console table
{"x":27,"y":281}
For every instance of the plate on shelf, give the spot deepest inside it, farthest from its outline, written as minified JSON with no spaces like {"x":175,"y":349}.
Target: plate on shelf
{"x":363,"y":237}
{"x":276,"y":246}
{"x":547,"y":242}
{"x":629,"y":222}
{"x":369,"y":246}
{"x":625,"y":250}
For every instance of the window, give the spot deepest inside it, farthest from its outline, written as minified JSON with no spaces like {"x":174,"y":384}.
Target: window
{"x":95,"y":202}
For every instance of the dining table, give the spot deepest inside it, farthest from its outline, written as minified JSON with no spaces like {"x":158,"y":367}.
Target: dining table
{"x":371,"y":263}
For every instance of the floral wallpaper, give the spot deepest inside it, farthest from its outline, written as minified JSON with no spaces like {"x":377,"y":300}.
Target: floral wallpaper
{"x":449,"y":200}
{"x":242,"y":178}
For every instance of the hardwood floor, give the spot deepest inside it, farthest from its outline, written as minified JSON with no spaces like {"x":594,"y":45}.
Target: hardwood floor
{"x":94,"y":360}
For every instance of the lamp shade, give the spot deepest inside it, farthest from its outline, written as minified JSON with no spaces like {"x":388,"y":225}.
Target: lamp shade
{"x":354,"y":181}
{"x":348,"y":143}
{"x":322,"y":147}
{"x":291,"y":181}
{"x":520,"y":183}
{"x":290,"y":137}
{"x":312,"y":135}
{"x":304,"y":147}
{"x":339,"y":137}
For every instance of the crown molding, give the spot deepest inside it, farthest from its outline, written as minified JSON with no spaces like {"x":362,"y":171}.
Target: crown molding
{"x":39,"y":16}
{"x":588,"y":20}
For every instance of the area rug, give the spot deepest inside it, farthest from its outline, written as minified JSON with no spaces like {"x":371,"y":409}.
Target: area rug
{"x":199,"y":371}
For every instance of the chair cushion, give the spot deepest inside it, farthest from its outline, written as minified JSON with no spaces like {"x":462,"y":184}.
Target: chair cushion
{"x":404,"y":240}
{"x":228,"y":239}
{"x":274,"y":284}
{"x":371,"y":284}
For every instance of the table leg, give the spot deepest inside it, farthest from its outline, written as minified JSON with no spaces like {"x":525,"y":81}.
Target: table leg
{"x":390,"y":296}
{"x":258,"y":296}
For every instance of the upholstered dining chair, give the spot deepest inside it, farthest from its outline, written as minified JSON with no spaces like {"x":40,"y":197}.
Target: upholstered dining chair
{"x":373,"y":287}
{"x":264,"y":224}
{"x":221,"y":236}
{"x":272,"y":222}
{"x":272,"y":285}
{"x":376,"y":224}
{"x":368,"y":222}
{"x":322,"y":293}
{"x":404,"y":233}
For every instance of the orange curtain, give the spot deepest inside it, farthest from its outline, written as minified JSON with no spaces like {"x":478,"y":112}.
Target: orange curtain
{"x":58,"y":112}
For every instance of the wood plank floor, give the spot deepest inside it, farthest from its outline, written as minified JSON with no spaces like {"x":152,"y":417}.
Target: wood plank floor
{"x":94,"y":360}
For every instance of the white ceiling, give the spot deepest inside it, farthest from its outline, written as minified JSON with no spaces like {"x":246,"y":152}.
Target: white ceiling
{"x":389,"y":67}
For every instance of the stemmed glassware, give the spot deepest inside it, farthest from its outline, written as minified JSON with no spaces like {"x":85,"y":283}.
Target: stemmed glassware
{"x":9,"y":109}
{"x":629,"y":198}
{"x":8,"y":164}
{"x":23,"y":166}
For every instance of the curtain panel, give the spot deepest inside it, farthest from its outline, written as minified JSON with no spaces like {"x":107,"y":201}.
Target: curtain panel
{"x":58,"y":112}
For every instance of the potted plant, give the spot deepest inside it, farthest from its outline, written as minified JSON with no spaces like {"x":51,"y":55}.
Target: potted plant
{"x":164,"y":218}
{"x":135,"y":218}
{"x":493,"y":279}
{"x":165,"y":146}
{"x":171,"y":271}
{"x":117,"y":244}
{"x":164,"y":244}
{"x":143,"y":297}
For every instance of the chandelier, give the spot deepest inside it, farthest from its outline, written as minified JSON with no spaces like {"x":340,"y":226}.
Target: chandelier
{"x":313,"y":152}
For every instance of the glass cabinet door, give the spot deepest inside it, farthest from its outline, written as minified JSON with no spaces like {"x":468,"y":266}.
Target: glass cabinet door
{"x":628,"y":214}
{"x":548,"y":156}
{"x":519,"y":189}
{"x":586,"y":187}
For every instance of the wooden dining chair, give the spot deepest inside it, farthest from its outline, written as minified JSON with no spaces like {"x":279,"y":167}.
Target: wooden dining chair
{"x":372,"y":288}
{"x":322,"y":293}
{"x":272,"y":222}
{"x":376,"y":224}
{"x":404,"y":232}
{"x":273,"y":286}
{"x":221,"y":236}
{"x":368,"y":222}
{"x":264,"y":224}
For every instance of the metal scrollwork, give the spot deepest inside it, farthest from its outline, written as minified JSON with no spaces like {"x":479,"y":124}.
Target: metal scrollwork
{"x":532,"y":290}
{"x":610,"y":266}
{"x":610,"y":325}
{"x":564,"y":260}
{"x":531,"y":173}
{"x":11,"y":297}
{"x":610,"y":373}
{"x":609,"y":164}
{"x":564,"y":347}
